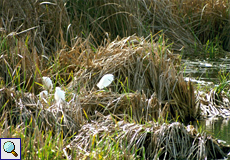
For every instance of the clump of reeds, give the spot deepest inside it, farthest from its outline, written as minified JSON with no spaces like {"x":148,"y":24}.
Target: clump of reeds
{"x":213,"y":103}
{"x":19,"y":108}
{"x":138,"y":65}
{"x":152,"y":141}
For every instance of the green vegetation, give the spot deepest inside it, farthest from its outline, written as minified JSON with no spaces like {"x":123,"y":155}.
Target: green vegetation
{"x":140,"y":42}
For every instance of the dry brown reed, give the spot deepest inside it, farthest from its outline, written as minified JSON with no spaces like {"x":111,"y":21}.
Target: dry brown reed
{"x":30,"y":36}
{"x":149,"y":87}
{"x":209,"y":19}
{"x":213,"y":104}
{"x":185,"y":23}
{"x":42,"y":23}
{"x":57,"y":24}
{"x":152,"y":141}
{"x":19,"y":64}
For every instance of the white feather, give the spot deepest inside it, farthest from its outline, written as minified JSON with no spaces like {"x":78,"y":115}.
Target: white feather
{"x":59,"y":94}
{"x":43,"y":94}
{"x":105,"y":81}
{"x":46,"y":81}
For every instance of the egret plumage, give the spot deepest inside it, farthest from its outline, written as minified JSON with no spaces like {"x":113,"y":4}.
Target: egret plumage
{"x":43,"y":94}
{"x":59,"y":94}
{"x":105,"y":81}
{"x":47,"y":83}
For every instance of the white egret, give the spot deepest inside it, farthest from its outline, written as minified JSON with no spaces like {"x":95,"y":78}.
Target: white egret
{"x":105,"y":81}
{"x":43,"y":94}
{"x":46,"y":81}
{"x":59,"y":94}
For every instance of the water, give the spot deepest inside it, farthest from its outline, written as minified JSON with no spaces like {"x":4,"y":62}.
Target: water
{"x":207,"y":73}
{"x":217,"y":127}
{"x":204,"y":71}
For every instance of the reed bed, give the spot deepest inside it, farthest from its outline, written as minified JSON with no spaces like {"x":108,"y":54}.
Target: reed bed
{"x":148,"y":87}
{"x":213,"y":104}
{"x":24,"y":108}
{"x":54,"y":25}
{"x":139,"y":66}
{"x":38,"y":31}
{"x":152,"y":141}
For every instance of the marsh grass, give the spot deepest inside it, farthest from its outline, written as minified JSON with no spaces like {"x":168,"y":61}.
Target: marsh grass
{"x":33,"y":41}
{"x":38,"y":145}
{"x":85,"y":105}
{"x":58,"y":24}
{"x":150,"y":141}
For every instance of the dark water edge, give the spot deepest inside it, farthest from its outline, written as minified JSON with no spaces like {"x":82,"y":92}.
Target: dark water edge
{"x":219,"y":128}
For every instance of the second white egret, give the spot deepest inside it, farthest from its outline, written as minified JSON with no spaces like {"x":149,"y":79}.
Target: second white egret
{"x":59,"y":94}
{"x":46,"y":81}
{"x":105,"y":81}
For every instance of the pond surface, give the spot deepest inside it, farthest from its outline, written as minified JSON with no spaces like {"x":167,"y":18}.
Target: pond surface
{"x":217,"y":127}
{"x":203,"y":71}
{"x":207,"y":73}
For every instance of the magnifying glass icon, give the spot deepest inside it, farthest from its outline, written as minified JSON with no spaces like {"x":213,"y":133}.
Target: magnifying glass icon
{"x":9,"y":147}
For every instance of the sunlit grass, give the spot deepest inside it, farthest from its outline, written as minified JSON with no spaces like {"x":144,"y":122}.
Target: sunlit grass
{"x":34,"y":143}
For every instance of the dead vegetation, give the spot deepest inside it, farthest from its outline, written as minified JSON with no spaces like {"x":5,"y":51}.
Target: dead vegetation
{"x":54,"y":25}
{"x":40,"y":30}
{"x":152,"y":141}
{"x":21,"y":108}
{"x":213,"y":104}
{"x":139,"y":66}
